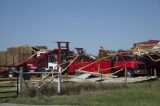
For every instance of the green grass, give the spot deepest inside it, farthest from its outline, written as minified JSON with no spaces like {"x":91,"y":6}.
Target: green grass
{"x":133,"y":95}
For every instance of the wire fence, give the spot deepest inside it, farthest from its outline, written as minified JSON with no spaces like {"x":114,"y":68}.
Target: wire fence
{"x":66,"y":85}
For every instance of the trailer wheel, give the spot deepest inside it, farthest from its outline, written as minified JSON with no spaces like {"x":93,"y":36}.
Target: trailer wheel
{"x":44,"y":74}
{"x":129,"y":73}
{"x":11,"y":72}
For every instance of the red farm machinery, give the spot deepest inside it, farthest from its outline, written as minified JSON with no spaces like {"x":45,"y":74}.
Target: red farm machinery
{"x":71,"y":62}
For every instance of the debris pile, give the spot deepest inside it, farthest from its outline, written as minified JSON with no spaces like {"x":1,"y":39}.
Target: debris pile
{"x":145,"y":46}
{"x":149,"y":53}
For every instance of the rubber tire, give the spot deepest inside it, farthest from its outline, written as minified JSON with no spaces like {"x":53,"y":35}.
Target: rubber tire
{"x":129,"y":73}
{"x":43,"y":75}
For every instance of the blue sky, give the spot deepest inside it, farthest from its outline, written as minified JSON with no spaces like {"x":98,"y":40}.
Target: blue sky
{"x":113,"y":24}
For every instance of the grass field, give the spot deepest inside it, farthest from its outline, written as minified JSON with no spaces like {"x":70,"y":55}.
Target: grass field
{"x":130,"y":96}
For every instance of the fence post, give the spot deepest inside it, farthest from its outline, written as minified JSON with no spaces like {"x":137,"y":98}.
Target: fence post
{"x":17,"y":82}
{"x":20,"y":80}
{"x":125,"y":76}
{"x":155,"y":72}
{"x":59,"y":81}
{"x":100,"y":71}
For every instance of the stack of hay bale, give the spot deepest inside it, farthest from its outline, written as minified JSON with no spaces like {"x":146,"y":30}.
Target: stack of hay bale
{"x":15,"y":55}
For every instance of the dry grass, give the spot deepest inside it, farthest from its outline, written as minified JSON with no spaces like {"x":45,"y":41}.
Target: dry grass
{"x":139,"y":94}
{"x":91,"y":94}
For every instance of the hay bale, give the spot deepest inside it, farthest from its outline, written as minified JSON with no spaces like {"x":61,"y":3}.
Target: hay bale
{"x":25,"y":52}
{"x":15,"y":55}
{"x":3,"y":55}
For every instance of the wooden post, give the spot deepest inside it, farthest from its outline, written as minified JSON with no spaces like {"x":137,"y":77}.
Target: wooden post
{"x":100,"y":71}
{"x":59,"y":81}
{"x":125,"y":75}
{"x":20,"y":81}
{"x":17,"y":82}
{"x":155,"y":72}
